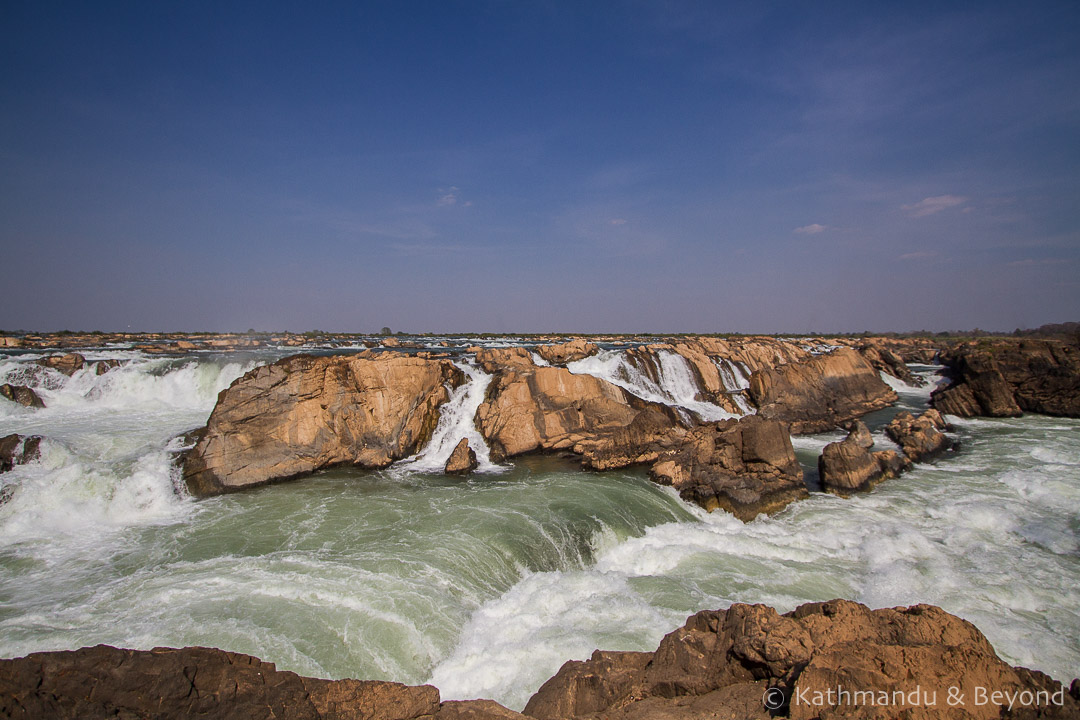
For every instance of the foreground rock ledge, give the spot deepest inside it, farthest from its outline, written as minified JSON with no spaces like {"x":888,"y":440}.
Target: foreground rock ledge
{"x":721,"y":664}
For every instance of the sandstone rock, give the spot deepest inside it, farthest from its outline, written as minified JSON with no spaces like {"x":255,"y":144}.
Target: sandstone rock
{"x":304,"y":413}
{"x":921,"y":438}
{"x":849,"y":465}
{"x":1004,"y":378}
{"x":550,"y":408}
{"x":820,"y":393}
{"x":495,"y":359}
{"x":68,"y":364}
{"x":7,"y":341}
{"x":562,"y":353}
{"x":21,"y":394}
{"x":105,"y":682}
{"x":463,"y":460}
{"x":745,"y":466}
{"x":721,"y":663}
{"x":887,"y":361}
{"x":18,"y":449}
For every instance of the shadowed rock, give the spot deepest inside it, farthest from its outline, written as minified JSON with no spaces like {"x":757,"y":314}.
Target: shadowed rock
{"x":18,"y":449}
{"x":1004,"y":378}
{"x":822,"y":392}
{"x":462,"y":460}
{"x":22,"y":395}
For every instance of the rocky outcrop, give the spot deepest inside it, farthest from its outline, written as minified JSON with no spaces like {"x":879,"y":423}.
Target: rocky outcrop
{"x":750,"y":662}
{"x":304,"y":413}
{"x":562,"y":353}
{"x":22,"y":395}
{"x":888,"y":362}
{"x":746,"y":467}
{"x":820,"y":393}
{"x":549,"y":408}
{"x":1004,"y":378}
{"x":68,"y":364}
{"x":851,"y":466}
{"x":835,"y":659}
{"x":921,"y":438}
{"x":18,"y":449}
{"x":165,"y":683}
{"x":495,"y":359}
{"x":462,"y":460}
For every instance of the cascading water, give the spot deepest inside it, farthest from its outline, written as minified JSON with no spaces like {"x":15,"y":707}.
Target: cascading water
{"x":485,"y":586}
{"x":677,"y":384}
{"x":456,"y":421}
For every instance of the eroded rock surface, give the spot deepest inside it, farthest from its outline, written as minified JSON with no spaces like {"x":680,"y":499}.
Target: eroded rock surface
{"x":562,"y":353}
{"x":462,"y":460}
{"x":304,"y":413}
{"x":1004,"y":378}
{"x":722,"y":663}
{"x":165,"y":683}
{"x":851,"y":466}
{"x":921,"y":437}
{"x":820,"y":393}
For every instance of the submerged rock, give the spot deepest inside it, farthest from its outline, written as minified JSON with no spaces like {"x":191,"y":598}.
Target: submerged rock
{"x":22,"y":395}
{"x":304,"y":413}
{"x":730,"y":663}
{"x":18,"y":449}
{"x":462,"y":460}
{"x":820,"y":393}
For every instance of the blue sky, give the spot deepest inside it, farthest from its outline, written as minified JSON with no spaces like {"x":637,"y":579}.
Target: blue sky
{"x":547,"y":166}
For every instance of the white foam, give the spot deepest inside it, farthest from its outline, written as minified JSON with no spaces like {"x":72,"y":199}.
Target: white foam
{"x":456,"y":421}
{"x":677,"y":385}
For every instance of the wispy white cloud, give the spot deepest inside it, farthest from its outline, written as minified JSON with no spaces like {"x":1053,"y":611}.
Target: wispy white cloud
{"x":812,"y":229}
{"x":617,"y":221}
{"x":448,"y":197}
{"x":931,"y":205}
{"x":1029,"y":262}
{"x":918,"y":255}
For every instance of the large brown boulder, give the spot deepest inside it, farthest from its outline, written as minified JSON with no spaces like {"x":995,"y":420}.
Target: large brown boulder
{"x":850,"y":466}
{"x":550,"y":408}
{"x":820,"y":393}
{"x":165,"y":683}
{"x":304,"y":413}
{"x":920,"y":437}
{"x":903,"y":662}
{"x":562,"y":353}
{"x":496,"y":359}
{"x":68,"y":364}
{"x":745,"y":466}
{"x":22,"y":395}
{"x":1004,"y":378}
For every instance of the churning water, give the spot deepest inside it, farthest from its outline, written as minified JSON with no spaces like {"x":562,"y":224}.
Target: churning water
{"x":484,"y":586}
